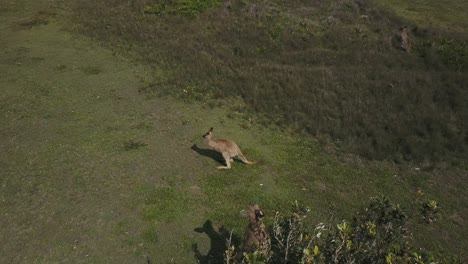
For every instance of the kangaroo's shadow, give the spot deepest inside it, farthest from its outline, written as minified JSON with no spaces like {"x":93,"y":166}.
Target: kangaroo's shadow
{"x":209,"y":153}
{"x":218,"y":241}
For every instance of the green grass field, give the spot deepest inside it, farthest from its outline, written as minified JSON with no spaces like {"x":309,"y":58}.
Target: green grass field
{"x":99,"y":164}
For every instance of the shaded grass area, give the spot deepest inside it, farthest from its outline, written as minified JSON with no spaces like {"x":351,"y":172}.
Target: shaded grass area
{"x":325,"y":68}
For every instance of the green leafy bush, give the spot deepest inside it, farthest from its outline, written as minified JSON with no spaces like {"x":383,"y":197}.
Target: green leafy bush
{"x":378,"y":234}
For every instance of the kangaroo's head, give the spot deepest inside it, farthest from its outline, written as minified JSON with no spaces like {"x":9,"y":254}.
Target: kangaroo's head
{"x":255,"y":213}
{"x":208,"y":134}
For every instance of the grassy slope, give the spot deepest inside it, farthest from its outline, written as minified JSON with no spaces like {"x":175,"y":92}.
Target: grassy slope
{"x":447,"y":15}
{"x":341,"y":80}
{"x":72,"y":192}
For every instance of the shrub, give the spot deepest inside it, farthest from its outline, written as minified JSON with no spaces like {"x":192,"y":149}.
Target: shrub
{"x":378,"y":234}
{"x":429,"y":209}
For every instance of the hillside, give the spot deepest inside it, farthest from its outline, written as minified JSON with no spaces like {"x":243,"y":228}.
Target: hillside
{"x":103,"y":106}
{"x":331,"y":69}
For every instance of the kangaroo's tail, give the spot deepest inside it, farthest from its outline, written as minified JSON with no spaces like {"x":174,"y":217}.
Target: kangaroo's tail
{"x":242,"y":157}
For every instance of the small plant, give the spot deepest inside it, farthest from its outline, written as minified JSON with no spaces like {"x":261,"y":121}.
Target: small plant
{"x":429,"y":208}
{"x":430,"y":211}
{"x":132,"y":145}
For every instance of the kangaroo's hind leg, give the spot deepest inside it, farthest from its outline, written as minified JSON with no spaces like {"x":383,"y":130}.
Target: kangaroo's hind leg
{"x":227,"y":158}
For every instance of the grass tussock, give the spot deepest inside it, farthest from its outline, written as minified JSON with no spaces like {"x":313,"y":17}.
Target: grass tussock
{"x":40,"y":18}
{"x":133,"y":145}
{"x":326,"y":68}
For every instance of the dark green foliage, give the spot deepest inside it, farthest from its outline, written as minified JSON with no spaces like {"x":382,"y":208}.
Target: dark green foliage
{"x":327,"y":68}
{"x":378,"y":234}
{"x":380,"y":231}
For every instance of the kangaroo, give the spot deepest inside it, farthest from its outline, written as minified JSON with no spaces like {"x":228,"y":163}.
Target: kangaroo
{"x":256,"y":236}
{"x":227,"y":148}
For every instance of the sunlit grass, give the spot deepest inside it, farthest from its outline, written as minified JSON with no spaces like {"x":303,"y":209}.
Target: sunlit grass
{"x":447,"y":15}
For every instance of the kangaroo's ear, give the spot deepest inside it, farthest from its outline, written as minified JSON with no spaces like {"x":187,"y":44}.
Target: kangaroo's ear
{"x":211,"y":129}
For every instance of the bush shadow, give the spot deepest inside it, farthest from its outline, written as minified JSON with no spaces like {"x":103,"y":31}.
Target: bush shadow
{"x":218,"y":240}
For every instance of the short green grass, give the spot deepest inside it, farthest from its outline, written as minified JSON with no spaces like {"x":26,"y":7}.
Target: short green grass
{"x":96,"y":171}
